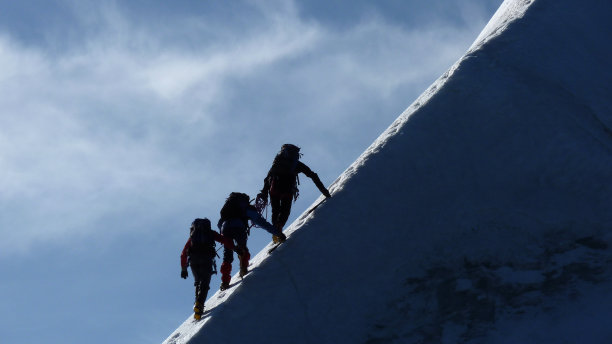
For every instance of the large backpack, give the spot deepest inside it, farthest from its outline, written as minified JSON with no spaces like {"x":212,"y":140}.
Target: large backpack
{"x":202,"y":241}
{"x":235,"y":207}
{"x":282,"y":176}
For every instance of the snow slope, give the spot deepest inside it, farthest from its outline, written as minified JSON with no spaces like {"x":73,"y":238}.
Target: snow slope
{"x":482,"y":214}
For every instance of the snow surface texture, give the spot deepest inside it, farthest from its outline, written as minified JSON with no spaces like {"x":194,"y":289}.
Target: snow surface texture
{"x":481,"y":215}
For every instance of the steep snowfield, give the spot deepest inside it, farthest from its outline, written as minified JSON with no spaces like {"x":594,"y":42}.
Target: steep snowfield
{"x":482,"y":214}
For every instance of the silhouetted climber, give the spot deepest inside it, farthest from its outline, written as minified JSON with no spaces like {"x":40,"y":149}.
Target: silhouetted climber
{"x":234,"y":224}
{"x":199,"y":253}
{"x":281,"y":183}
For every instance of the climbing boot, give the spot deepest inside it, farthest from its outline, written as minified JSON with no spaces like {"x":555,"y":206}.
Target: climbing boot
{"x":243,"y":271}
{"x":198,"y":310}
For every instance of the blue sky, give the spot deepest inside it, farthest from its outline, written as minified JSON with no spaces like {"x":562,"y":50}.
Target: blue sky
{"x":123,"y":121}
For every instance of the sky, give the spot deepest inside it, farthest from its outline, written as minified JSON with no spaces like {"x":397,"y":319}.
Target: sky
{"x":121,"y":122}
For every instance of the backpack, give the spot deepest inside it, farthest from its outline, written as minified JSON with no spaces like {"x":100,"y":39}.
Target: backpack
{"x":202,"y":241}
{"x":282,"y":176}
{"x":235,"y":207}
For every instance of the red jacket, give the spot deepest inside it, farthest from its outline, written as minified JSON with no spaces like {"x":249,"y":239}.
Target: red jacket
{"x":227,"y":242}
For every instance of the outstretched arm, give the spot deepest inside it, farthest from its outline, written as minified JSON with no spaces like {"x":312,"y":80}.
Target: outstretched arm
{"x":259,"y":221}
{"x":301,"y":167}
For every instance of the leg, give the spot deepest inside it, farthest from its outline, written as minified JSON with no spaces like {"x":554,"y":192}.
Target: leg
{"x":284,"y":211}
{"x":201,"y":274}
{"x":226,"y":266}
{"x":276,"y":206}
{"x":202,"y":290}
{"x":245,"y":255}
{"x":195,"y":272}
{"x":281,"y":208}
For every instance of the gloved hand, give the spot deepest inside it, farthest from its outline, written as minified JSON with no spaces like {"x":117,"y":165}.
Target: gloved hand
{"x":184,"y":274}
{"x":282,"y":237}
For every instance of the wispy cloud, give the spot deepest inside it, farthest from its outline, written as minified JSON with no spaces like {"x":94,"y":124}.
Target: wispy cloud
{"x":128,"y":119}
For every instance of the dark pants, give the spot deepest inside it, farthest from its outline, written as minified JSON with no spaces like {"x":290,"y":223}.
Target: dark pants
{"x":239,"y":235}
{"x":281,"y":208}
{"x":201,"y":274}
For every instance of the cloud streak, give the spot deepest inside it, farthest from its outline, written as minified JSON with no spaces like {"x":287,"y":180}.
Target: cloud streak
{"x":129,"y":122}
